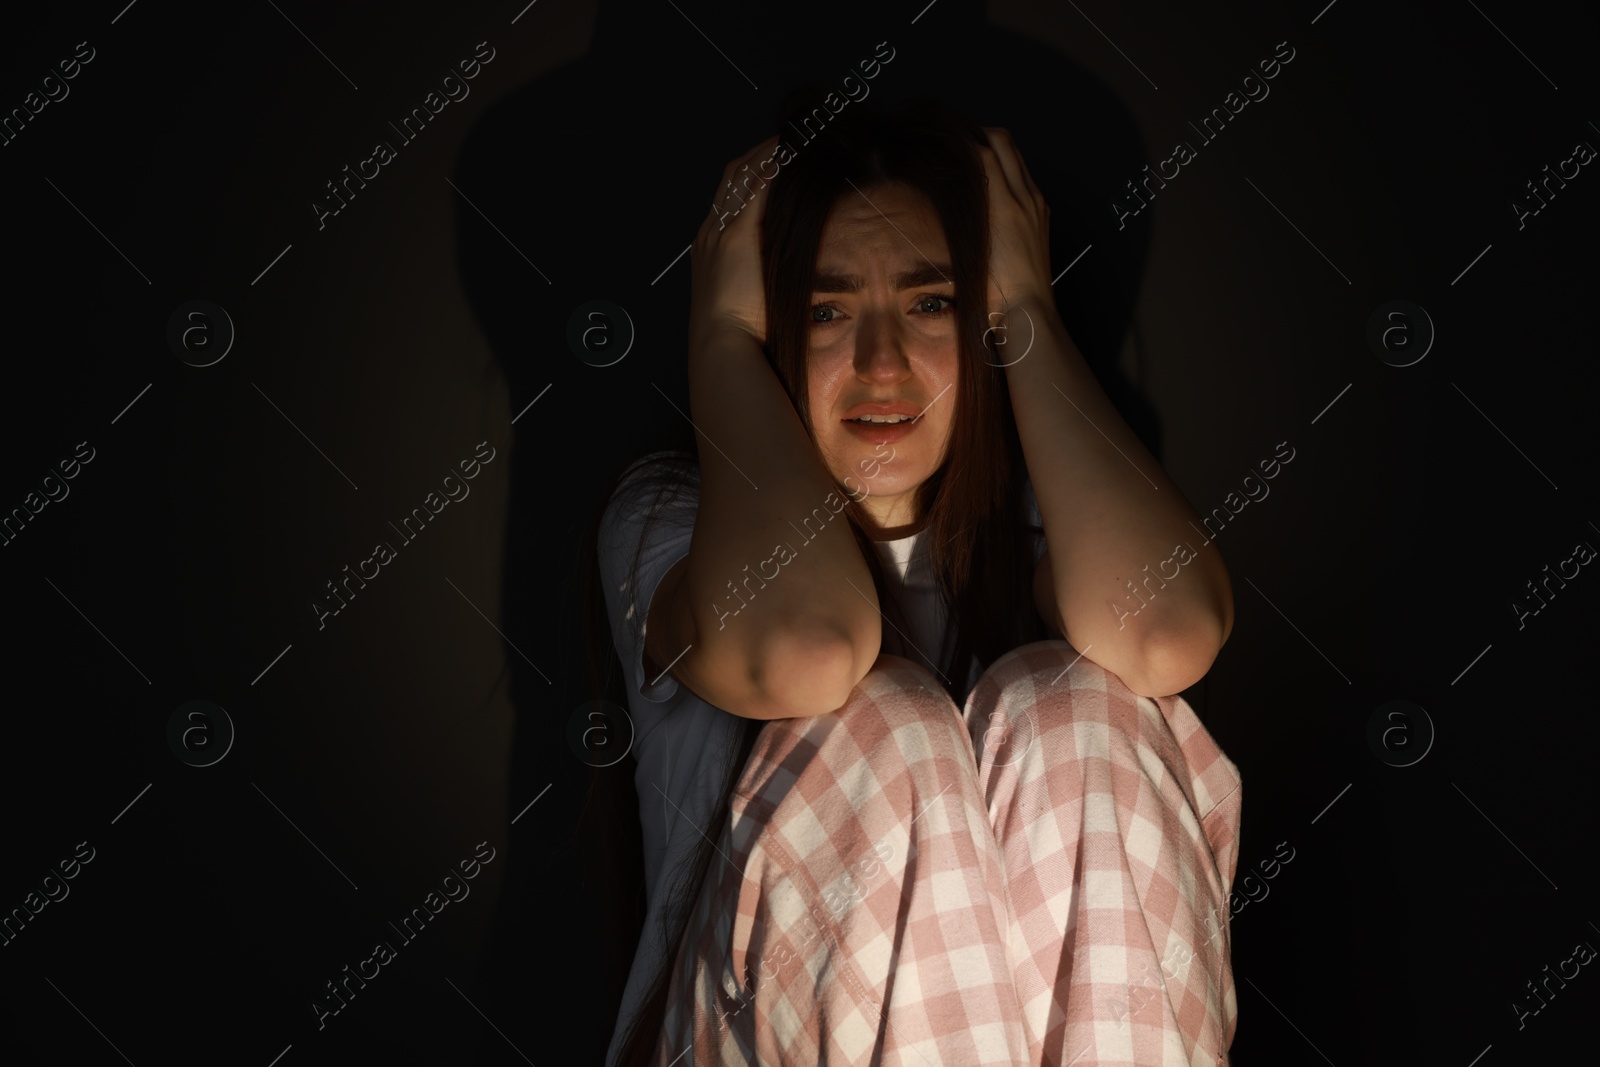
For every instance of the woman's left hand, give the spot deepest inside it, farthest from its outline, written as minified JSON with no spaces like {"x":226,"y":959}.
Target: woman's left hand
{"x":1019,"y":226}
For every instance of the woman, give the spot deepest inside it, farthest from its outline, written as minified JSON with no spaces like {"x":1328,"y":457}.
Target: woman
{"x":914,"y":785}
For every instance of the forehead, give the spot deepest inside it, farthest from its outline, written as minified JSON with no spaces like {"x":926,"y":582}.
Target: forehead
{"x":892,"y":226}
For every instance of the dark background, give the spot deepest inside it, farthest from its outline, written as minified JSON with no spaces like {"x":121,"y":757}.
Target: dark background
{"x":374,"y":753}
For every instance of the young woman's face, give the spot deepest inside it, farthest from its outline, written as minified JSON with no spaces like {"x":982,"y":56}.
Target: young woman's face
{"x":882,"y":336}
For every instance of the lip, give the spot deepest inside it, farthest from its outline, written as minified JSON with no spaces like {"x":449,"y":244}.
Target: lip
{"x":886,"y":434}
{"x":882,"y":435}
{"x":898,"y":408}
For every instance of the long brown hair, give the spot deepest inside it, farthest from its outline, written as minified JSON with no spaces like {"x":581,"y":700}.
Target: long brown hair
{"x":977,"y":534}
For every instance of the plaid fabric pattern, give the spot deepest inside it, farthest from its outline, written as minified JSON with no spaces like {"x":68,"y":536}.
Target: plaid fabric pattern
{"x":1040,"y":877}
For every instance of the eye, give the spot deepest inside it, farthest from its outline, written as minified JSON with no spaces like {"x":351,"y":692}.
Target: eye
{"x":822,"y":307}
{"x":921,"y":305}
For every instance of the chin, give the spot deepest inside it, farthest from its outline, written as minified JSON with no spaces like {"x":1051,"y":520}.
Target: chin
{"x":882,"y":469}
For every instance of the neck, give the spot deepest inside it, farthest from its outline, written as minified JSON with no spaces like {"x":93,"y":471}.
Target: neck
{"x":891,"y":524}
{"x":894,"y":533}
{"x":891,"y":518}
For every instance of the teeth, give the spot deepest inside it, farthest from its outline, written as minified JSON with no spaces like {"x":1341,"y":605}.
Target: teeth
{"x":883,"y":419}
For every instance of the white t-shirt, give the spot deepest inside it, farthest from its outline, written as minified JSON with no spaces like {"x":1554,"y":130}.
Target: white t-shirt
{"x":681,"y":743}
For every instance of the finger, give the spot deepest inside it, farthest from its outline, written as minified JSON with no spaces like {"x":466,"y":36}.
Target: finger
{"x":765,"y":148}
{"x":1010,"y":163}
{"x":1027,"y":178}
{"x":739,"y":186}
{"x":762,"y":151}
{"x":1010,"y":147}
{"x":992,"y":170}
{"x":1001,"y":185}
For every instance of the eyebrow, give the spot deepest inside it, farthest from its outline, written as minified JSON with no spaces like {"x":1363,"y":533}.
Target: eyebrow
{"x":929,"y":274}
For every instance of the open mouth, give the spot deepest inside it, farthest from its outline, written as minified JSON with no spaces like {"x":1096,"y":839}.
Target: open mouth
{"x":882,"y":429}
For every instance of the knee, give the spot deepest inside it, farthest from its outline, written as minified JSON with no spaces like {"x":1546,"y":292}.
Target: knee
{"x":896,"y":675}
{"x":1052,"y":669}
{"x":899,"y":710}
{"x":1050,"y":665}
{"x":901,"y":706}
{"x":896,"y":740}
{"x":1036,"y":687}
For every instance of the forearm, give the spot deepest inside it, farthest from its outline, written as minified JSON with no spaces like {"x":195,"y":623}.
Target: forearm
{"x":773,"y":560}
{"x":1114,"y":521}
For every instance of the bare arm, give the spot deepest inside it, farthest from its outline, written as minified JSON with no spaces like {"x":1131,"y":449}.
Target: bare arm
{"x":774,"y":602}
{"x":1108,"y":525}
{"x":1111,"y":515}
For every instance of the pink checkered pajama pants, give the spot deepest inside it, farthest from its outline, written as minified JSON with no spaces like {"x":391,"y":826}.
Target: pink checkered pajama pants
{"x":1041,"y":877}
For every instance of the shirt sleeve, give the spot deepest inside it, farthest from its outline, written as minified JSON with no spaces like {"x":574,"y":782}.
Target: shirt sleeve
{"x":1035,"y":523}
{"x":650,"y":514}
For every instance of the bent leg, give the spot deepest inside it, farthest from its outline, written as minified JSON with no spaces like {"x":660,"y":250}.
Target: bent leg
{"x":1118,"y":818}
{"x":857,"y":913}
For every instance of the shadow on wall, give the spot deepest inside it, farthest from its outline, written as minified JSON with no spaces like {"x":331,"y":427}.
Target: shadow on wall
{"x":601,"y":173}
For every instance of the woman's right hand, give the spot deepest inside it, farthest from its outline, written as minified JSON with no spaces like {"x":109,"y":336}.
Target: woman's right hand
{"x":727,"y":288}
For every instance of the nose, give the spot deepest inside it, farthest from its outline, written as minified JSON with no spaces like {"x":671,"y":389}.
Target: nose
{"x":880,"y":354}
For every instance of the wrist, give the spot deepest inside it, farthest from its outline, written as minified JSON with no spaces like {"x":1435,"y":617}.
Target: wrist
{"x":719,"y":344}
{"x":1037,"y":301}
{"x":717,"y":335}
{"x":1031,"y":325}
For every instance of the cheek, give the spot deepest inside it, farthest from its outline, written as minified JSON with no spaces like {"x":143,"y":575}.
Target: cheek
{"x":825,"y":382}
{"x":947,"y":437}
{"x":943,"y":372}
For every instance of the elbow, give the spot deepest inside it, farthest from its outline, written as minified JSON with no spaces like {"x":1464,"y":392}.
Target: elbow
{"x":1171,"y":663}
{"x":808,"y":672}
{"x":1179,"y":654}
{"x":1225,"y":606}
